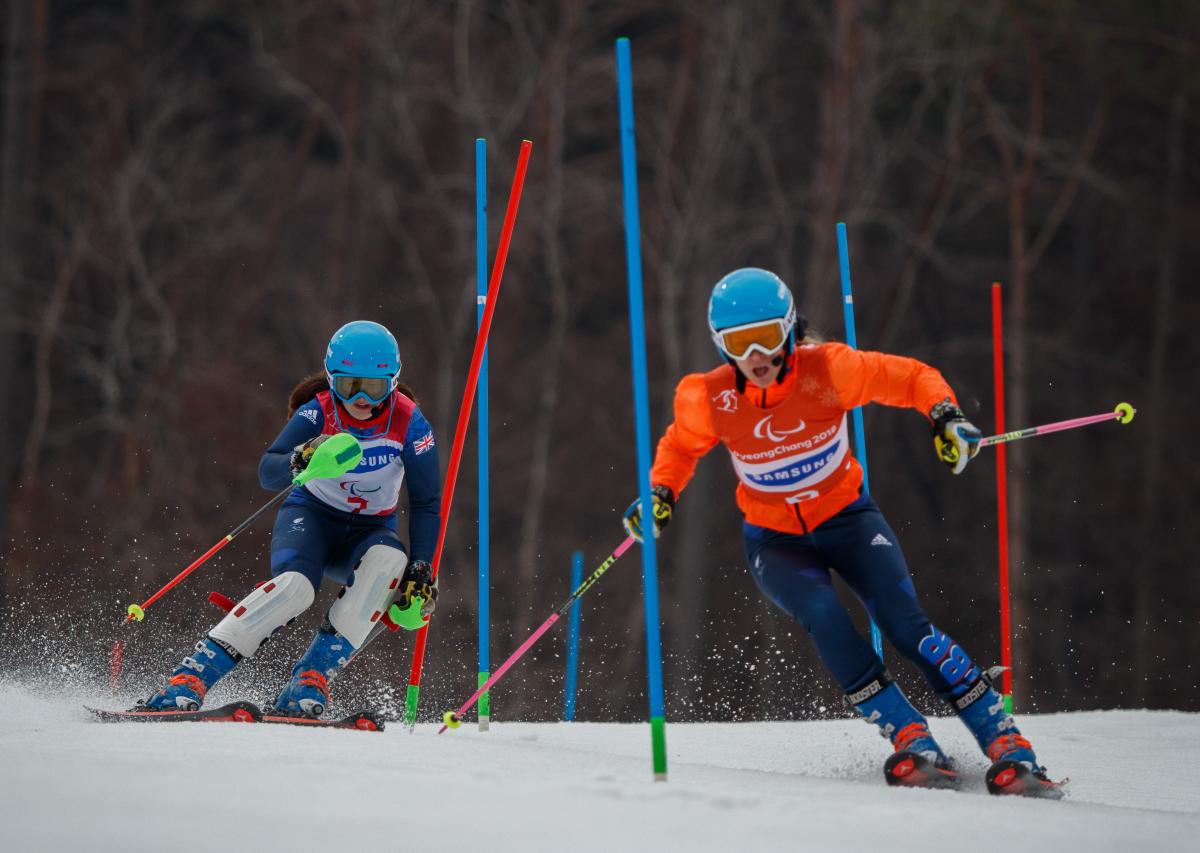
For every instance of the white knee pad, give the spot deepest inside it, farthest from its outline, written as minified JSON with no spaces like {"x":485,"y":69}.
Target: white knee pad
{"x":264,"y":611}
{"x":359,"y":607}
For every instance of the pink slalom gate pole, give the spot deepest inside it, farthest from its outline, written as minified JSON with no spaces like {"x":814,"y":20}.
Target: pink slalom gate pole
{"x":1123,"y":413}
{"x":451,"y":719}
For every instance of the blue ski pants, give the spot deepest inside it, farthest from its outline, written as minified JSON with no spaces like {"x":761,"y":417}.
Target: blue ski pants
{"x":794,"y":572}
{"x":319,"y":541}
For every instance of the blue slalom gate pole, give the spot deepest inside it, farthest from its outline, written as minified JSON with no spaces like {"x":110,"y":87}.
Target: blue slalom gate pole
{"x":641,"y":399}
{"x":860,"y":436}
{"x":573,"y":641}
{"x":481,"y":425}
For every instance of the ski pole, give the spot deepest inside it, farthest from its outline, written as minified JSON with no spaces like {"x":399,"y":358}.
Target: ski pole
{"x":335,"y":456}
{"x":1123,"y":413}
{"x":451,"y":719}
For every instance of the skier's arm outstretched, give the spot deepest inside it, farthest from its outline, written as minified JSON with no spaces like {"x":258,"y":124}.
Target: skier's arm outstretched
{"x":688,"y":438}
{"x":860,"y":377}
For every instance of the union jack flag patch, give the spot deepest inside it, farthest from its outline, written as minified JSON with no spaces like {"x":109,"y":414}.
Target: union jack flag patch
{"x":424,"y":443}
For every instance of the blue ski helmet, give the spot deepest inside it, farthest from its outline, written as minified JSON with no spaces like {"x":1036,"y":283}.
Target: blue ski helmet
{"x":752,"y":295}
{"x":366,"y":350}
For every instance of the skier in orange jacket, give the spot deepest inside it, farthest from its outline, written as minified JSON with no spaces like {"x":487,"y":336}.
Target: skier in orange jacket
{"x":779,"y":406}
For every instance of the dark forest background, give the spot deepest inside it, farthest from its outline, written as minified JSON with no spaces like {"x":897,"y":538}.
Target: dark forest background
{"x":196,"y":194}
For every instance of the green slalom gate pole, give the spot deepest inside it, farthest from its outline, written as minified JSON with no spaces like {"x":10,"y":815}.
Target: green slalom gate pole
{"x":637,"y":328}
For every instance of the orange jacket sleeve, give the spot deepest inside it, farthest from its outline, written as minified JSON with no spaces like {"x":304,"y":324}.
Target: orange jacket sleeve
{"x":861,"y":377}
{"x":687,"y":439}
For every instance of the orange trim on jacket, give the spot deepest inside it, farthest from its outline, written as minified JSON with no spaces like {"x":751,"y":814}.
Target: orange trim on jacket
{"x":789,"y":442}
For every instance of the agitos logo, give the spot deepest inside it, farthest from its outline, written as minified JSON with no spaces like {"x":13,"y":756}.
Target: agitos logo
{"x":763,"y":429}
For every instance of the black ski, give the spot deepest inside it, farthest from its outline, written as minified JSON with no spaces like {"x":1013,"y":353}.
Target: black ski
{"x":360,"y":720}
{"x":234,"y":712}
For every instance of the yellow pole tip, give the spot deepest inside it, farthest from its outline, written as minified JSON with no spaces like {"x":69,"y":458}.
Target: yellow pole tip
{"x":1125,"y":412}
{"x":450,"y":720}
{"x":137,"y":613}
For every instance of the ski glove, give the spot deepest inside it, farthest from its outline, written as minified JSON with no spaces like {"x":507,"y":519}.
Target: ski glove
{"x":419,"y":581}
{"x":955,"y":438}
{"x":664,"y":505}
{"x":303,"y":453}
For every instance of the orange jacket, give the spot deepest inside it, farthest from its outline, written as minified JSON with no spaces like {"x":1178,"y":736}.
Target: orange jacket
{"x":789,"y":443}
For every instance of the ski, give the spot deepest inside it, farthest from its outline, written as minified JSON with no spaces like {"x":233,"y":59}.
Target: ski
{"x":1013,"y":778}
{"x":234,"y":712}
{"x":361,"y":720}
{"x":238,"y":712}
{"x":914,"y":770}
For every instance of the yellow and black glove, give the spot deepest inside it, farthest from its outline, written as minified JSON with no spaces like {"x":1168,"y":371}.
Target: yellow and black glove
{"x":955,"y":438}
{"x":419,"y":581}
{"x":303,"y":453}
{"x":664,"y":506}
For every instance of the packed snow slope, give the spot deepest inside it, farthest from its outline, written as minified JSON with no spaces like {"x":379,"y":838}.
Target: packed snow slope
{"x":68,"y":782}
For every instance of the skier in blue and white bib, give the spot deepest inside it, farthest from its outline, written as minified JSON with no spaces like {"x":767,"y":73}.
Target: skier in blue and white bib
{"x":342,"y":528}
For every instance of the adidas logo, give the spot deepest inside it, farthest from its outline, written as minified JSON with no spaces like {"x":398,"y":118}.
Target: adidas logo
{"x":880,"y":539}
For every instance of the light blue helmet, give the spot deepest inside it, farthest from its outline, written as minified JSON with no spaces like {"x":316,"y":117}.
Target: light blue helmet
{"x":363,"y":349}
{"x":752,"y":295}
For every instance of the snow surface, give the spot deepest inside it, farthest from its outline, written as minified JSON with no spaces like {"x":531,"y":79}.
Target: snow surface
{"x":70,"y":783}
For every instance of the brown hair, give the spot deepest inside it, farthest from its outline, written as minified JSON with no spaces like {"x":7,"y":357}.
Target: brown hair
{"x":313,"y":384}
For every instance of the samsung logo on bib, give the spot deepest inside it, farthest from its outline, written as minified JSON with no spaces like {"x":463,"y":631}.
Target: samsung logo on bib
{"x":763,"y":429}
{"x":376,"y":457}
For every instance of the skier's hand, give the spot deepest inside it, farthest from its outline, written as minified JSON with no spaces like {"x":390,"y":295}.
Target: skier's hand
{"x":419,"y":581}
{"x":303,"y":453}
{"x":955,"y":438}
{"x":664,"y":506}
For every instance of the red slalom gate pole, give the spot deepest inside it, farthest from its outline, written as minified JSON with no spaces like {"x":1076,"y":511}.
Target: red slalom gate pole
{"x":464,"y":413}
{"x":1002,"y":497}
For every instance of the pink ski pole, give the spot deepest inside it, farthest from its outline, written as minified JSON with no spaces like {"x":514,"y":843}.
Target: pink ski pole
{"x":450,"y":719}
{"x":1123,"y":413}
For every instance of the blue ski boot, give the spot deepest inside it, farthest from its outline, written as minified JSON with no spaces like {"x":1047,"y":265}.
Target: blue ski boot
{"x":307,"y":693}
{"x":191,"y":680}
{"x":981,"y":709}
{"x":1015,"y":768}
{"x":918,"y":761}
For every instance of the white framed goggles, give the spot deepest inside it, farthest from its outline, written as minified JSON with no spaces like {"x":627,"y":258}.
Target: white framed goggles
{"x":764,"y":336}
{"x":374,"y":389}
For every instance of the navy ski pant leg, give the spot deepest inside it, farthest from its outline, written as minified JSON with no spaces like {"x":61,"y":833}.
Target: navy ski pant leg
{"x":793,"y":575}
{"x":302,"y":540}
{"x":862,"y":548}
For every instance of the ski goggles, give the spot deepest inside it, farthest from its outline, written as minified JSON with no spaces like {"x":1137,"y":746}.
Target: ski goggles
{"x":375,"y":389}
{"x":767,"y":336}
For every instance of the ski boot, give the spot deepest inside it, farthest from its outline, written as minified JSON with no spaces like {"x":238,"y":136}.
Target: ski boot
{"x":307,"y":693}
{"x":918,"y":761}
{"x":191,"y":680}
{"x":1015,"y":768}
